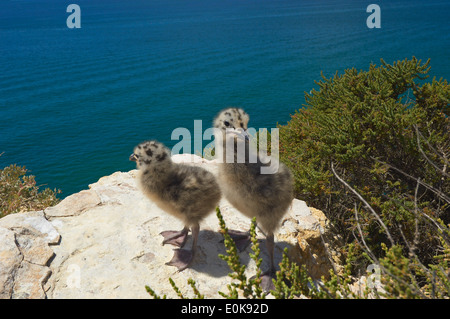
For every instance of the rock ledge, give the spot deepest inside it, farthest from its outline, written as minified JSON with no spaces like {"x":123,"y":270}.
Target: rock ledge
{"x":104,"y":243}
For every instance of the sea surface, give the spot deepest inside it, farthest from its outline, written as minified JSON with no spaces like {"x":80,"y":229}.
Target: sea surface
{"x":74,"y":102}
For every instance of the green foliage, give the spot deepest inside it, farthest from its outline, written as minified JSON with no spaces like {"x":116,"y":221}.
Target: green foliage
{"x":293,"y":281}
{"x":371,"y":149}
{"x":398,"y":275}
{"x":387,"y":132}
{"x":152,"y":293}
{"x":408,"y":277}
{"x":197,"y":293}
{"x":19,"y":192}
{"x":250,"y":288}
{"x":175,"y":288}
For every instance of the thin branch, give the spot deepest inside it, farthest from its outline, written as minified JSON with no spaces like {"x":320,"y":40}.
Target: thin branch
{"x":431,"y":188}
{"x":365,"y":203}
{"x":368,"y":251}
{"x":441,"y":170}
{"x":416,"y":219}
{"x":411,"y":252}
{"x":431,"y":147}
{"x":433,"y":222}
{"x":330,"y":258}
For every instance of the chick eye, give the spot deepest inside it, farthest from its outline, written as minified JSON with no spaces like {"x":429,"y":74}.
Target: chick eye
{"x":226,"y":123}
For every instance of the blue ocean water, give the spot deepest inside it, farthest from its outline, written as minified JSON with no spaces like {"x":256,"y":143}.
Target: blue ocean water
{"x":74,"y":102}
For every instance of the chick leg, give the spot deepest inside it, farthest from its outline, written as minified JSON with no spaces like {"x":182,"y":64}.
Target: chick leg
{"x":176,"y":238}
{"x":182,"y":257}
{"x":267,"y":276}
{"x":240,"y":238}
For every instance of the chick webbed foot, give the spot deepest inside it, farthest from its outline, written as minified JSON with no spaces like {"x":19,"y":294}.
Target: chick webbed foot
{"x":176,"y":238}
{"x":267,"y":276}
{"x":181,"y":259}
{"x":240,"y":238}
{"x":266,"y":280}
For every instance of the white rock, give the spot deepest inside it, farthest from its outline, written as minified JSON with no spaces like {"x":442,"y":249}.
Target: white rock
{"x":34,"y":222}
{"x":106,"y":244}
{"x":10,"y":260}
{"x":24,"y":254}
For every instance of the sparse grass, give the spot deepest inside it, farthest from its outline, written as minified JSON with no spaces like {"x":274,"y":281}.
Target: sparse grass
{"x":397,"y":276}
{"x":19,"y":192}
{"x":248,"y":287}
{"x":371,"y":149}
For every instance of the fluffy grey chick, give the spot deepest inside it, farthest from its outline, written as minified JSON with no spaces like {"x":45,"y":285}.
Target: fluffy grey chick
{"x":264,"y":196}
{"x":186,"y":192}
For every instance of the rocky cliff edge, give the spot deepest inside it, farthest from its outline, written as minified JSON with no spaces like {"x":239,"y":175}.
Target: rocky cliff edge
{"x":104,"y":243}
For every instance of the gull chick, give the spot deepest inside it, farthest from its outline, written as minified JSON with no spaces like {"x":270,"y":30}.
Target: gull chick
{"x":264,"y":196}
{"x":187,"y":192}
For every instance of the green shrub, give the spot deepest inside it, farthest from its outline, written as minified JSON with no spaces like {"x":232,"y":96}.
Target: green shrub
{"x":386,"y":133}
{"x":399,"y":277}
{"x":19,"y":192}
{"x":371,"y":149}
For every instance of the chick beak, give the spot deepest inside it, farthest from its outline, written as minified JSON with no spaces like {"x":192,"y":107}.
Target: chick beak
{"x":238,"y":133}
{"x":133,"y":157}
{"x":243,"y":133}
